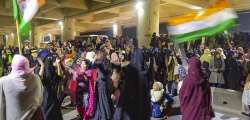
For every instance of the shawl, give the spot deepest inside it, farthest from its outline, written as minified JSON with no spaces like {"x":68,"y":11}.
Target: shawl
{"x":22,"y":95}
{"x":195,"y":98}
{"x":206,"y":57}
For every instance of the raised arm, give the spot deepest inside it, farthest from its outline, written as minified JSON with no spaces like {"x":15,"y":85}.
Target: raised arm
{"x":41,"y":72}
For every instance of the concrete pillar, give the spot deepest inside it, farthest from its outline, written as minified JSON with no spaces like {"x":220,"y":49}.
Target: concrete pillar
{"x":11,"y":39}
{"x":2,"y":40}
{"x":69,"y":29}
{"x":32,"y":36}
{"x":147,"y":21}
{"x":38,"y":36}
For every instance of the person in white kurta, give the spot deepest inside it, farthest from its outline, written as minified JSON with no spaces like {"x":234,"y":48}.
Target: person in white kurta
{"x":20,"y":92}
{"x":246,"y":97}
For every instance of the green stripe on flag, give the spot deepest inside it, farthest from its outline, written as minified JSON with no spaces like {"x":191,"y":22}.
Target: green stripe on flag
{"x":205,"y":32}
{"x":15,"y":9}
{"x":24,"y":28}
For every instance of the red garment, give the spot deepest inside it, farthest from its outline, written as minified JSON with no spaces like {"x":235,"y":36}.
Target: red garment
{"x":195,"y":95}
{"x":72,"y":86}
{"x":87,"y":111}
{"x":72,"y":89}
{"x":38,"y":115}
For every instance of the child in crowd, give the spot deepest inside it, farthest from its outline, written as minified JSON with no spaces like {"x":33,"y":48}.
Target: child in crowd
{"x":160,"y":101}
{"x":157,"y":96}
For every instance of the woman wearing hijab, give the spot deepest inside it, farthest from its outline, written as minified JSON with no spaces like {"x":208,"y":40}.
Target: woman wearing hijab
{"x":20,"y":92}
{"x":233,"y":72}
{"x":248,"y":54}
{"x":133,"y":103}
{"x":217,"y":67}
{"x":206,"y":57}
{"x":84,"y":88}
{"x":221,"y":52}
{"x":103,"y":102}
{"x":51,"y":79}
{"x":195,"y":96}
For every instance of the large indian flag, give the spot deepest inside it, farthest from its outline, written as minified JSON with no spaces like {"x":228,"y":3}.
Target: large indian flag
{"x":24,"y":11}
{"x":193,"y":26}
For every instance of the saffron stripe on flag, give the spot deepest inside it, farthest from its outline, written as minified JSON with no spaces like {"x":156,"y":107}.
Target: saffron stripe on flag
{"x":196,"y":16}
{"x":210,"y":21}
{"x":205,"y":32}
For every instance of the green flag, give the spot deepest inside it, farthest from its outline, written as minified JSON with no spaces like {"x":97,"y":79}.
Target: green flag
{"x":25,"y":29}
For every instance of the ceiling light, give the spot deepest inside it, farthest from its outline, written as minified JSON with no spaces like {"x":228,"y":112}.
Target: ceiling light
{"x":12,"y":35}
{"x":115,"y":30}
{"x":139,"y":5}
{"x":60,"y":23}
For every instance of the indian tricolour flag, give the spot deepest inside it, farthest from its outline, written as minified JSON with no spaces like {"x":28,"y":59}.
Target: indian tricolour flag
{"x":24,"y":11}
{"x":215,"y":19}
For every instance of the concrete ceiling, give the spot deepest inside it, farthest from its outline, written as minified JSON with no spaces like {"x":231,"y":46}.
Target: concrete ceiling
{"x":92,"y":15}
{"x":52,"y":11}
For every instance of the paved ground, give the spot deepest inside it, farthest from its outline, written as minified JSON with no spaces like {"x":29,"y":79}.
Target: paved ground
{"x":219,"y":116}
{"x":230,"y":111}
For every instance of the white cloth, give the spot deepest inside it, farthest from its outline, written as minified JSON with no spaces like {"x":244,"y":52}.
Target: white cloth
{"x":156,"y":95}
{"x":179,"y":86}
{"x":176,"y":68}
{"x":246,"y":101}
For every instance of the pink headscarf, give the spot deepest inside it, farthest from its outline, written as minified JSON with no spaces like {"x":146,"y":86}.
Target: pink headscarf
{"x":20,"y":66}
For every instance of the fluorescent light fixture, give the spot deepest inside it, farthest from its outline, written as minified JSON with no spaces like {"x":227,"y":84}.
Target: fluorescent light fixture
{"x":115,"y":30}
{"x":196,"y":8}
{"x":139,"y":8}
{"x":60,"y":23}
{"x":183,"y":4}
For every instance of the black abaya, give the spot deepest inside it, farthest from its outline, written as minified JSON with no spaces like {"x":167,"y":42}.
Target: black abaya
{"x":233,"y":74}
{"x":103,"y":100}
{"x":51,"y":105}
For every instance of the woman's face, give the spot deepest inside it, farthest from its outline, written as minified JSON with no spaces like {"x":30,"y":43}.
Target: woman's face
{"x":121,"y":56}
{"x":65,"y":44}
{"x":78,"y":62}
{"x":156,"y":87}
{"x":115,"y":58}
{"x":115,"y":77}
{"x":83,"y":65}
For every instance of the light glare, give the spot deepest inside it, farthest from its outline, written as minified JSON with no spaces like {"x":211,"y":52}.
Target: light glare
{"x":139,"y":5}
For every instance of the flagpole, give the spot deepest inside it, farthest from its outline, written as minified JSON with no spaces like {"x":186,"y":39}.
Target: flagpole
{"x":18,"y":37}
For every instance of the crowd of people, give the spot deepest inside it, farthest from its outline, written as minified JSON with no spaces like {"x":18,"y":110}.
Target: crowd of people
{"x":109,"y":80}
